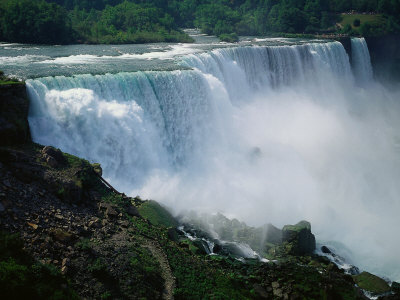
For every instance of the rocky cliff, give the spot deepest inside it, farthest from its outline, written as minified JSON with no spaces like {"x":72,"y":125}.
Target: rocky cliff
{"x":14,"y":106}
{"x":385,"y":57}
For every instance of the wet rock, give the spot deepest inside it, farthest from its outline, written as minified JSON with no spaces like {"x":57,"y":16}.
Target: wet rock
{"x":217,"y":248}
{"x":326,"y":250}
{"x":396,"y":287}
{"x":201,"y":247}
{"x":299,"y":238}
{"x":2,"y":208}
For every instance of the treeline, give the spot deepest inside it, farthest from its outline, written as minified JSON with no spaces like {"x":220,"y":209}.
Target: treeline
{"x":137,"y":21}
{"x":64,"y":22}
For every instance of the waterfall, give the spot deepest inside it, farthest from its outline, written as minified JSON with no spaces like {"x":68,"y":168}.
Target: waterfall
{"x":361,"y":61}
{"x":263,"y":133}
{"x":245,"y":69}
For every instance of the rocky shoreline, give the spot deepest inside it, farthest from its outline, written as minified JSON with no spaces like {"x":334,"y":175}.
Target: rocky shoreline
{"x":67,"y":234}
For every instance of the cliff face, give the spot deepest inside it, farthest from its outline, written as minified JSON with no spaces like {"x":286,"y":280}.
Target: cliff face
{"x":14,"y":107}
{"x":385,"y":56}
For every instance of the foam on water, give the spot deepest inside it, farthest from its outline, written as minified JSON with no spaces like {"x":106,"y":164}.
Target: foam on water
{"x":22,"y":59}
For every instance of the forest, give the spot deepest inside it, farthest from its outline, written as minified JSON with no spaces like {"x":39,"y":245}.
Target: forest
{"x":141,"y":21}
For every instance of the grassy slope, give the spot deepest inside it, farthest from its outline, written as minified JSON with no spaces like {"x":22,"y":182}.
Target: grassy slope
{"x":349,"y":19}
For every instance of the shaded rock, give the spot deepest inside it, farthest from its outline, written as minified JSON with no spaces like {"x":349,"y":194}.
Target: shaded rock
{"x":260,"y":291}
{"x":371,"y":283}
{"x":202,"y":247}
{"x":51,"y":161}
{"x":273,"y":234}
{"x":111,"y":212}
{"x":2,"y":208}
{"x":34,"y":226}
{"x":217,"y":248}
{"x":65,"y":262}
{"x":396,"y":287}
{"x":95,"y":196}
{"x":49,"y":151}
{"x":97,"y":169}
{"x":95,"y":223}
{"x":61,"y":235}
{"x":70,"y":191}
{"x":132,"y":211}
{"x":299,"y":238}
{"x":326,"y":250}
{"x":14,"y":106}
{"x":173,"y":234}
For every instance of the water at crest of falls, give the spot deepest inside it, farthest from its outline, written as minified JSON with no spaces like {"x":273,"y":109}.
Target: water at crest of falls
{"x":264,"y":133}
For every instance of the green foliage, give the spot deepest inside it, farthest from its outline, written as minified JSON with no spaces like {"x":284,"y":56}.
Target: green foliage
{"x":34,"y":22}
{"x":371,"y":283}
{"x":198,"y":278}
{"x":139,"y":21}
{"x":23,"y":278}
{"x":298,"y":227}
{"x":4,"y":80}
{"x":157,"y":214}
{"x":229,"y":37}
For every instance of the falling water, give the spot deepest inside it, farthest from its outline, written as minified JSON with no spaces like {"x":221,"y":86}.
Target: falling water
{"x":265,"y":134}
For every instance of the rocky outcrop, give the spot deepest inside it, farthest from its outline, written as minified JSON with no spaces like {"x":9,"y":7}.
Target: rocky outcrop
{"x":298,"y":238}
{"x":54,"y":157}
{"x":14,"y":106}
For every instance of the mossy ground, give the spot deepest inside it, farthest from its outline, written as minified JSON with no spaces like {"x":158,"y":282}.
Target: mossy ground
{"x":21,"y":277}
{"x":371,"y":283}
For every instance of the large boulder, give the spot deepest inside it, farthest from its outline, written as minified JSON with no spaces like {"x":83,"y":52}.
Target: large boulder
{"x":54,"y":157}
{"x":298,"y":238}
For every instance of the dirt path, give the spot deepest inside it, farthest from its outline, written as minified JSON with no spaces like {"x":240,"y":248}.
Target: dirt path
{"x":166,"y":272}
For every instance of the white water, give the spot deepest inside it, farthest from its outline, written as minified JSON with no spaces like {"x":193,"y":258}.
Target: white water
{"x":361,"y":61}
{"x":264,"y":134}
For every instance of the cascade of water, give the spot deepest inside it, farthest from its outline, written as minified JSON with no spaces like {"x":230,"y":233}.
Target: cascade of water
{"x":361,"y":61}
{"x":130,"y":122}
{"x":245,"y":69}
{"x":265,"y":134}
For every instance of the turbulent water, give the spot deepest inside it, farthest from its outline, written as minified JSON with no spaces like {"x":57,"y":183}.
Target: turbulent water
{"x":262,"y":133}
